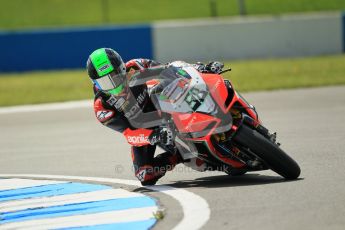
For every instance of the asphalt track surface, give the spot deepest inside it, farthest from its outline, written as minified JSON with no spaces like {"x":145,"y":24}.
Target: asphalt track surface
{"x":310,"y":125}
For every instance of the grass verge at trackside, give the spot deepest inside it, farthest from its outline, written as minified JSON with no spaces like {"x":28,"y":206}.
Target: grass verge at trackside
{"x":261,"y":75}
{"x":17,"y":14}
{"x":252,"y":75}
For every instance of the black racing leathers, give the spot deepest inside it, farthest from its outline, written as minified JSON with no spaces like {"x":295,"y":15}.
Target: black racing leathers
{"x":121,"y":113}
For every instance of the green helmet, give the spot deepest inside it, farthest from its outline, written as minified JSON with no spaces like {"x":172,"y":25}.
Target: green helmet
{"x":107,"y":70}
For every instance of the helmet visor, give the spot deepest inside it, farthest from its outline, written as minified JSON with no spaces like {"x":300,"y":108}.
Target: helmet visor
{"x":110,"y":81}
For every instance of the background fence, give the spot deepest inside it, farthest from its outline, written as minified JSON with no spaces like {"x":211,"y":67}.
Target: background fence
{"x":66,"y":49}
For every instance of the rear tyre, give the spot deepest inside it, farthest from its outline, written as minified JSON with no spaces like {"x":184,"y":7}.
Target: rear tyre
{"x":274,"y":157}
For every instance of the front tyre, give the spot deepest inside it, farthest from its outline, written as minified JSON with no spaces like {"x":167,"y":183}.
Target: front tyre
{"x":268,"y":151}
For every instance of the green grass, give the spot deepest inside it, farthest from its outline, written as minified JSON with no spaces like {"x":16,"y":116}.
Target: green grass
{"x":41,"y":87}
{"x":17,"y":14}
{"x":287,"y":73}
{"x":253,"y":75}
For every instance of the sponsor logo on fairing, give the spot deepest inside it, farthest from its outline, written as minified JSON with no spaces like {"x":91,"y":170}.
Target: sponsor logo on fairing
{"x":141,"y":139}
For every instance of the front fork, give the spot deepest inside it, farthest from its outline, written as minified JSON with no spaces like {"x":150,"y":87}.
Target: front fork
{"x":246,"y":119}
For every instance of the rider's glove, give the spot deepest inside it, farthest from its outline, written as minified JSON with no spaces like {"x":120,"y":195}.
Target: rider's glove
{"x":214,"y":67}
{"x":201,"y":67}
{"x":163,"y":136}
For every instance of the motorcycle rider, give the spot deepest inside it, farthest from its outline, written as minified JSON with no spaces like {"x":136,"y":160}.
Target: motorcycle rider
{"x":113,"y":106}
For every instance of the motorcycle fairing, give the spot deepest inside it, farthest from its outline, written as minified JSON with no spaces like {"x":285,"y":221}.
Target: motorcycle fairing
{"x":199,"y":106}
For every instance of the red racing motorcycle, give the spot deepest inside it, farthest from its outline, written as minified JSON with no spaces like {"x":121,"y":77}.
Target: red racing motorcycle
{"x":212,"y":123}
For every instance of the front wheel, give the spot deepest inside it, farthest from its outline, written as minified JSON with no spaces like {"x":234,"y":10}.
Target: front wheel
{"x":269,"y":152}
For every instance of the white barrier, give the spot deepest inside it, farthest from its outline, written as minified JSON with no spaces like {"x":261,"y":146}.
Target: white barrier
{"x":238,"y":38}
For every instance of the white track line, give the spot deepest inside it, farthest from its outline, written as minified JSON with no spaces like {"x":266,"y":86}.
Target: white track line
{"x":43,"y":202}
{"x":6,"y":184}
{"x":46,"y":107}
{"x":129,"y":215}
{"x":196,"y":211}
{"x":195,"y":208}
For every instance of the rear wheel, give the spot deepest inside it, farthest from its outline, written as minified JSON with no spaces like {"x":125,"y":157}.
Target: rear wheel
{"x":269,"y":152}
